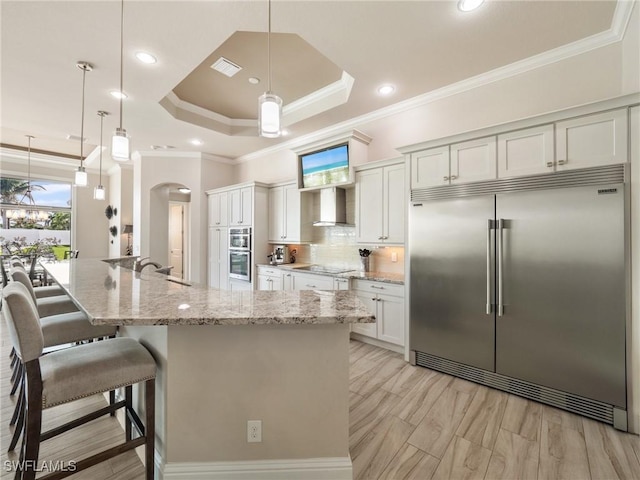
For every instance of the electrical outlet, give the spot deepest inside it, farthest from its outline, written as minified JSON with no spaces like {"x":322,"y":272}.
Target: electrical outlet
{"x":394,"y":256}
{"x":254,"y":431}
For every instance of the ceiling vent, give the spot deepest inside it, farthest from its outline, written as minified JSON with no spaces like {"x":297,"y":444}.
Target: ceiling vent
{"x":226,"y":67}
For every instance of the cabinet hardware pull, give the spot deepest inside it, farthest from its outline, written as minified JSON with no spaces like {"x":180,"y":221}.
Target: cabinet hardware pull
{"x":374,"y":299}
{"x":311,"y":286}
{"x":549,"y":164}
{"x":379,"y":288}
{"x":445,"y":178}
{"x":562,"y":162}
{"x":453,"y":177}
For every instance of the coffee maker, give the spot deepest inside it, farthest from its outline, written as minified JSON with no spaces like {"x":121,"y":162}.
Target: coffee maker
{"x":281,"y":254}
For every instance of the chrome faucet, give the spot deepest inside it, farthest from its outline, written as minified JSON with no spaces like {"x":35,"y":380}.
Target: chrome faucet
{"x":138,"y":265}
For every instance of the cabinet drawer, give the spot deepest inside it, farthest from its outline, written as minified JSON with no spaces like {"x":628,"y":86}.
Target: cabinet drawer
{"x":269,"y":271}
{"x":379,"y":287}
{"x":311,"y":282}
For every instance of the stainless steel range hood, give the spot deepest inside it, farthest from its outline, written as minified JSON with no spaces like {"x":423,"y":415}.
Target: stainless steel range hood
{"x":333,"y":207}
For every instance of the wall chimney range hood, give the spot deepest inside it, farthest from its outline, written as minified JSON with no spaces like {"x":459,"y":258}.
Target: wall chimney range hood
{"x":333,"y":208}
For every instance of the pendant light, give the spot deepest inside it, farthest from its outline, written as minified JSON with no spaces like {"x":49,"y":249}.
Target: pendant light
{"x":31,"y":212}
{"x":120,"y":140}
{"x":98,"y":192}
{"x":269,"y":104}
{"x":81,"y":174}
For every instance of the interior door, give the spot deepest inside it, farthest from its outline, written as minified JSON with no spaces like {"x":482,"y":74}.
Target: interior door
{"x":450,"y":243}
{"x":176,"y":238}
{"x":564,"y":290}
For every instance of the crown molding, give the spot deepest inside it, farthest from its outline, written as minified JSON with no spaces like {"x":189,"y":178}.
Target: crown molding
{"x":615,"y":33}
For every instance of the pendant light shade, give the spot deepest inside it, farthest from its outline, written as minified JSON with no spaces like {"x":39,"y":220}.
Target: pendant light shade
{"x":80,"y":179}
{"x":120,"y":145}
{"x":120,"y":141}
{"x":98,"y":192}
{"x":270,"y":114}
{"x":269,"y":104}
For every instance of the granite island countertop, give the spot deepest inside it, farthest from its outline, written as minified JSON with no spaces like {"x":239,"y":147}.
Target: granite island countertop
{"x":113,"y":295}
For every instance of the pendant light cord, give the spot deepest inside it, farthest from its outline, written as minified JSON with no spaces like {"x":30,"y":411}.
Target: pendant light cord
{"x":121,"y":56}
{"x":84,"y":75}
{"x":102,"y":114}
{"x":29,"y":164}
{"x":269,"y":48}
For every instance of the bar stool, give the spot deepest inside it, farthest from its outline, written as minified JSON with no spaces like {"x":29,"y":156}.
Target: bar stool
{"x":53,"y":305}
{"x":43,"y":291}
{"x":67,"y":375}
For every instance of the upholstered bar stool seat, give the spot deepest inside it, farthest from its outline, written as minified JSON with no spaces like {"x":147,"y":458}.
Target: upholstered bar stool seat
{"x":41,"y":292}
{"x":73,"y":373}
{"x":47,"y":305}
{"x":72,"y":327}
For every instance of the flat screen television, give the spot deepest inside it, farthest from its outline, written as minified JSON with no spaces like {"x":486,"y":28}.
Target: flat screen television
{"x":329,"y":166}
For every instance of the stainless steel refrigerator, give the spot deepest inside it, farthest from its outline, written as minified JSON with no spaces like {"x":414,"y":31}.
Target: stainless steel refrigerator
{"x":522,"y":285}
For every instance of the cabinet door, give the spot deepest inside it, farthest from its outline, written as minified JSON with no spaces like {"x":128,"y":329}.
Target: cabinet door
{"x":240,"y":286}
{"x":291,"y":214}
{"x":598,"y":139}
{"x":368,"y":329}
{"x":390,"y":319}
{"x":430,"y":167}
{"x":218,"y":209}
{"x":235,"y":208}
{"x":276,"y":283}
{"x":218,"y":258}
{"x":526,"y":152}
{"x":287,"y":281}
{"x":473,"y":160}
{"x":394,"y":204}
{"x":276,"y":214}
{"x":369,"y":206}
{"x":264,"y":282}
{"x":246,"y":208}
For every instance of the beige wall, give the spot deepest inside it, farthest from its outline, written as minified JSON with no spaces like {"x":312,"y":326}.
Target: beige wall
{"x":120,"y":195}
{"x":191,"y":170}
{"x":631,"y":53}
{"x":293,"y":378}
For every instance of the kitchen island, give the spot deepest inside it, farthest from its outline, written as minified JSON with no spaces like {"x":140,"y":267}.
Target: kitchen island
{"x":225,"y":358}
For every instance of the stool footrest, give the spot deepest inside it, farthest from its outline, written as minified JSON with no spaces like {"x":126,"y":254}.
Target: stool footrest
{"x":81,"y":421}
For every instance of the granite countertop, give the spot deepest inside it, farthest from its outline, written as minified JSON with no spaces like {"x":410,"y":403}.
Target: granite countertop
{"x":114,"y":295}
{"x":386,"y":277}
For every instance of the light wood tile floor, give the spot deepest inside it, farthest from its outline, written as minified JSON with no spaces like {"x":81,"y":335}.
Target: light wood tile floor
{"x":405,"y":423}
{"x":413,"y":423}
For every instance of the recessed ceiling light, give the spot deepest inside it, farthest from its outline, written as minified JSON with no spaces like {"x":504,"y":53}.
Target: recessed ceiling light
{"x":386,"y":89}
{"x":254,"y":80}
{"x":117,"y":94}
{"x":196,"y":142}
{"x":145,"y":57}
{"x":468,"y":5}
{"x":184,"y":190}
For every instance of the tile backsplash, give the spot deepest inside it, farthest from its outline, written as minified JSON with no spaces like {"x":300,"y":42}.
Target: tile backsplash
{"x":337,"y":247}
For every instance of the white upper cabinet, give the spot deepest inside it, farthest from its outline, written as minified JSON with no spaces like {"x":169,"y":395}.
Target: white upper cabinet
{"x":218,"y":209}
{"x":241,"y":206}
{"x":526,"y":152}
{"x":381,"y":204}
{"x":289,"y":215}
{"x":430,"y":167}
{"x":218,"y":258}
{"x":592,"y":140}
{"x":473,"y":161}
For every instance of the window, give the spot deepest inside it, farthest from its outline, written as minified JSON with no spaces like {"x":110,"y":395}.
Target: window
{"x":36,"y":219}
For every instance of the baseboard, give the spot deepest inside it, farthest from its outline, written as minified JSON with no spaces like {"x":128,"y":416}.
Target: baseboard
{"x":378,"y":343}
{"x":332,"y":468}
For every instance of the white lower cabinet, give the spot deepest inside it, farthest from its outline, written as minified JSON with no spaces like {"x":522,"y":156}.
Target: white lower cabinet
{"x":306,"y":281}
{"x":269,"y":278}
{"x":386,"y":302}
{"x":239,"y":285}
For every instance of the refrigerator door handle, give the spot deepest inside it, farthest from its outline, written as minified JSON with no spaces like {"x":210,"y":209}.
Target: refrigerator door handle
{"x":490,"y":228}
{"x":499,"y":240}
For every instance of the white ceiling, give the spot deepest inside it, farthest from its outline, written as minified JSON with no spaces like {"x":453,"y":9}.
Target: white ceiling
{"x":419,"y":46}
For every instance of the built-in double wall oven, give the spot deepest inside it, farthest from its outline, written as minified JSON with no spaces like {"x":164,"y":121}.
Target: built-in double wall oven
{"x":240,"y":253}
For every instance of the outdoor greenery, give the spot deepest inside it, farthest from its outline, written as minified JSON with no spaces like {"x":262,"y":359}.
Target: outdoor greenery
{"x":19,"y":246}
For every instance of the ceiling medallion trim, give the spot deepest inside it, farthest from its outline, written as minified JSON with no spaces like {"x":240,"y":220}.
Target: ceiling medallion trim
{"x":619,"y":23}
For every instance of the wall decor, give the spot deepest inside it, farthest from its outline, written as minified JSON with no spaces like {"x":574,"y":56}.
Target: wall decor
{"x":115,"y":211}
{"x":114,"y":230}
{"x":108,"y":211}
